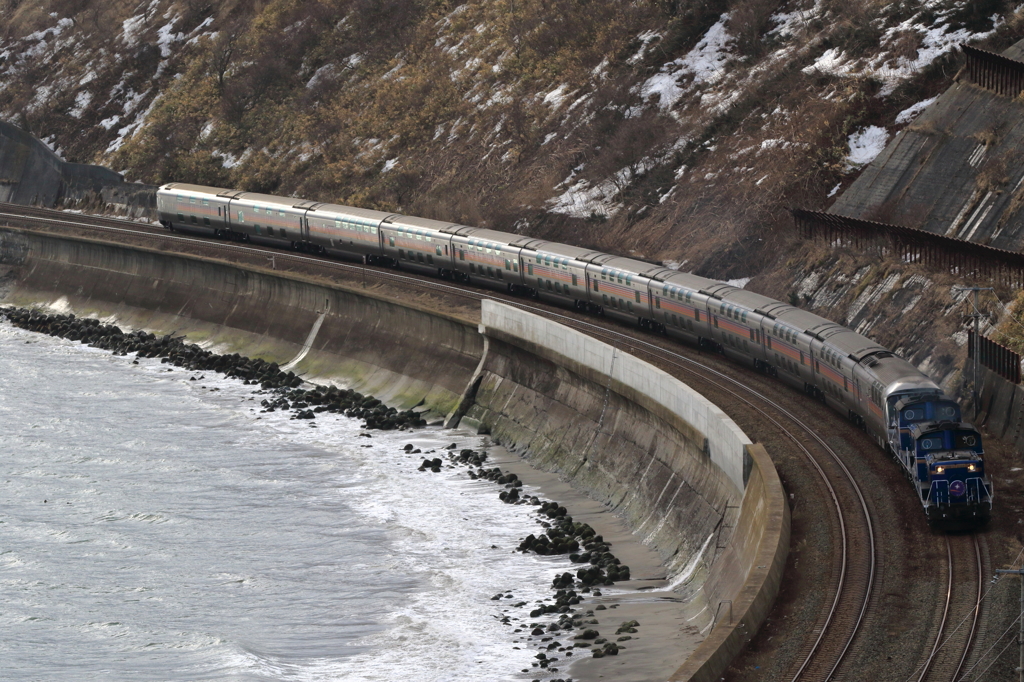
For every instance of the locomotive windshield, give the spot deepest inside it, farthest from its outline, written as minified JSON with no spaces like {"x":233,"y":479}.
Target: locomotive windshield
{"x":930,"y":411}
{"x":914,"y":413}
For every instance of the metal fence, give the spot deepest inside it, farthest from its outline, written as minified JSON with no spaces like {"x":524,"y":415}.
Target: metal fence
{"x":964,"y":259}
{"x":999,"y":359}
{"x":1001,"y":75}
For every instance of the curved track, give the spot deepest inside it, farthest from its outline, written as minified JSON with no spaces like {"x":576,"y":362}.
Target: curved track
{"x":854,"y":564}
{"x":958,"y":628}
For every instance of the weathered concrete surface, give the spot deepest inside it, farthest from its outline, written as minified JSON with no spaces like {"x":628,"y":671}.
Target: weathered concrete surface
{"x":30,"y":173}
{"x":957,"y":170}
{"x":684,"y":478}
{"x":401,"y":355}
{"x":678,"y":470}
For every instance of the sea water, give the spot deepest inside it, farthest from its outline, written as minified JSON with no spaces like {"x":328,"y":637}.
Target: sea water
{"x":156,"y":527}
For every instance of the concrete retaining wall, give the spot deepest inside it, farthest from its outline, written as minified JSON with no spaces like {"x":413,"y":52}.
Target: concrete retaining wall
{"x":1001,"y":406}
{"x":687,"y":481}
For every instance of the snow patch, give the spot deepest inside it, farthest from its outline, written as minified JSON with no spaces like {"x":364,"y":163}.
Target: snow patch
{"x":911,"y":112}
{"x":738,"y":283}
{"x":82,"y":101}
{"x":389,"y":164}
{"x":556,"y":97}
{"x":866,"y":144}
{"x":704,"y":63}
{"x":936,"y":38}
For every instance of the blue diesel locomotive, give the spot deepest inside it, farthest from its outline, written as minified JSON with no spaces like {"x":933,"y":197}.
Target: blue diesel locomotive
{"x":903,"y":410}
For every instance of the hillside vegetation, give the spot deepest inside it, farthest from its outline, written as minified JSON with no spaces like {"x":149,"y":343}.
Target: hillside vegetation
{"x":677,"y":130}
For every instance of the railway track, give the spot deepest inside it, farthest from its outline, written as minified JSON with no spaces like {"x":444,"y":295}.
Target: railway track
{"x":853,"y":568}
{"x":958,"y":628}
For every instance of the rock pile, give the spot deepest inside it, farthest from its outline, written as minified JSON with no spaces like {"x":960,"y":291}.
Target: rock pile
{"x":174,"y":350}
{"x":561,"y":536}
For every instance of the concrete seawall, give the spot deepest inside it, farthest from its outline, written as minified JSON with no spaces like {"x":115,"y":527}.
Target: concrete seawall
{"x":403,"y":356}
{"x":684,"y":477}
{"x":686,"y":481}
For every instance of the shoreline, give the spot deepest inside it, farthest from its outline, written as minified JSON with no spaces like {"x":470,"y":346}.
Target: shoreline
{"x":641,"y":607}
{"x":663,"y":633}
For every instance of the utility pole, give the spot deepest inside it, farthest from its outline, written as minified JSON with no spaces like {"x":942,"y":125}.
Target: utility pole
{"x":1020,"y":635}
{"x":977,"y":345}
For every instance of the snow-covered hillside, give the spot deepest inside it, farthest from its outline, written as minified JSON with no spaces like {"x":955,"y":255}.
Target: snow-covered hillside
{"x":670,"y":129}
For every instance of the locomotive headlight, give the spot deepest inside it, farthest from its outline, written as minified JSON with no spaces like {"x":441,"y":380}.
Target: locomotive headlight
{"x":971,"y":467}
{"x":939,"y":470}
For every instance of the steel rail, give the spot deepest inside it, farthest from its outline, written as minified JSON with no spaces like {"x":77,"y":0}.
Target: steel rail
{"x":977,"y":611}
{"x":680,"y":361}
{"x":945,"y":614}
{"x":930,"y":671}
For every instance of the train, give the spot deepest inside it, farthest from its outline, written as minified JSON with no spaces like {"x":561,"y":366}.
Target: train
{"x":904,"y":411}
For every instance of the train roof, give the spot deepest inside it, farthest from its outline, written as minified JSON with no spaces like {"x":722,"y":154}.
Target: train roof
{"x":683,"y":279}
{"x":421,"y":223}
{"x":186,"y":187}
{"x":555,"y":248}
{"x":899,"y":376}
{"x":484,"y":234}
{"x":349,"y":212}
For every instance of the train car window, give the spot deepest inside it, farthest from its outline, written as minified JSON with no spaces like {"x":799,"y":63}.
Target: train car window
{"x":181,"y":217}
{"x":629,"y":304}
{"x":391,"y":241}
{"x":462,"y":255}
{"x":595,"y":286}
{"x":437,"y":249}
{"x":206,"y":221}
{"x":191,"y":200}
{"x":206,"y":202}
{"x":284,"y":233}
{"x":257,"y":228}
{"x":218,"y":211}
{"x":194,"y":221}
{"x":281,"y":213}
{"x":270,"y":231}
{"x":696,"y":315}
{"x":181,"y":198}
{"x":430,"y":259}
{"x":637,"y":296}
{"x":744,"y":316}
{"x":500,"y":276}
{"x":529,"y":270}
{"x":657,"y":302}
{"x":574,"y":283}
{"x":241,"y":217}
{"x":931,"y":442}
{"x":604,"y":298}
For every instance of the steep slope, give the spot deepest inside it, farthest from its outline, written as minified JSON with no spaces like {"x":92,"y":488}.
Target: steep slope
{"x":671,"y":129}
